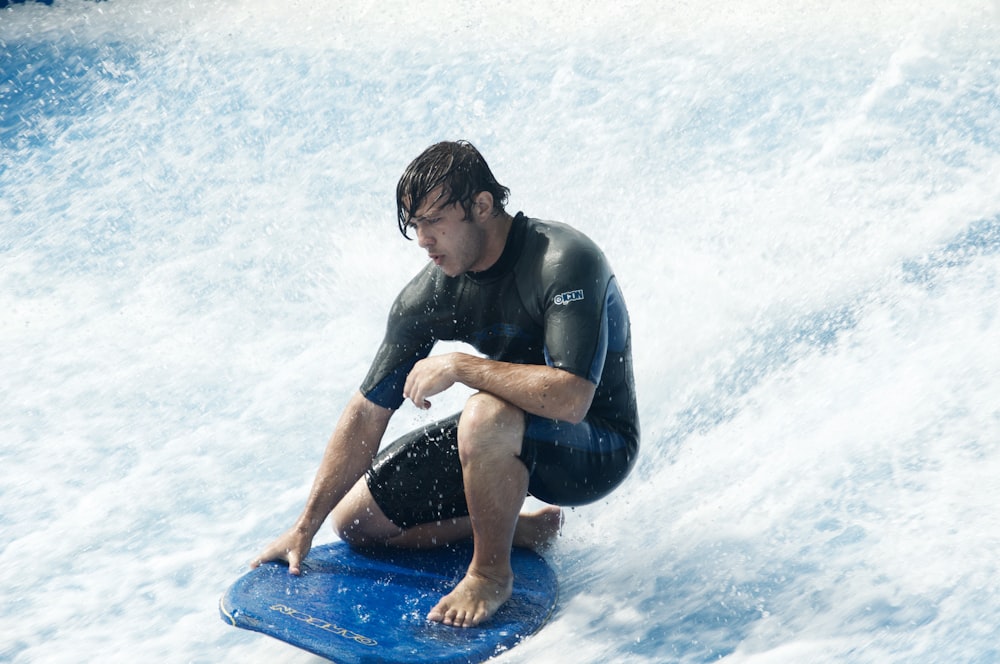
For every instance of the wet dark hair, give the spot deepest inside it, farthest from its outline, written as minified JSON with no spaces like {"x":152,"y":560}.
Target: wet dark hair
{"x":458,"y":168}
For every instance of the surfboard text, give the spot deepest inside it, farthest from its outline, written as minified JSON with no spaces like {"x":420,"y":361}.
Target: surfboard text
{"x":324,"y":625}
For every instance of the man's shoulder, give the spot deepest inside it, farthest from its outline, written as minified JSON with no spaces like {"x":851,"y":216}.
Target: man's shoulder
{"x":555,"y":241}
{"x":428,"y":284}
{"x":549,"y":227}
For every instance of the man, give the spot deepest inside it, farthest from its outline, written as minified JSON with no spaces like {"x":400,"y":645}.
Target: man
{"x":554,"y":414}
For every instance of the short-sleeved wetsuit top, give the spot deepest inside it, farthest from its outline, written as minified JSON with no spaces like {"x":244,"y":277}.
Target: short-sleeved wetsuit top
{"x":550,"y":299}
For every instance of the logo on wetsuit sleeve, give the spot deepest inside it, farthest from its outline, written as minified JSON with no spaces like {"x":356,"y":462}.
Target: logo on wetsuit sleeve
{"x":566,"y":298}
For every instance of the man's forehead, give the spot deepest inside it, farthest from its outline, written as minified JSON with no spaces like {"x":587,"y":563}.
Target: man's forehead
{"x":432,"y":203}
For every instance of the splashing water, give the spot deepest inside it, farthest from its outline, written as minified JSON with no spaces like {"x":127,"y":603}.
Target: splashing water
{"x":198,"y":248}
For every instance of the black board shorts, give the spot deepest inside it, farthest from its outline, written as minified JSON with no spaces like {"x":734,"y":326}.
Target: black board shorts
{"x":418,"y":478}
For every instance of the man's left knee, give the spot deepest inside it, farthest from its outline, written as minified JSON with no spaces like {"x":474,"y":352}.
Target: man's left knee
{"x":358,"y":520}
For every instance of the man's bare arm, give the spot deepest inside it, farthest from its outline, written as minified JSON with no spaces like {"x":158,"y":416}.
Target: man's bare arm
{"x":348,"y":455}
{"x":537,"y":389}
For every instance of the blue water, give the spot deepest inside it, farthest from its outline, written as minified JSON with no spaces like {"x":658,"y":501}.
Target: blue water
{"x":198,"y":247}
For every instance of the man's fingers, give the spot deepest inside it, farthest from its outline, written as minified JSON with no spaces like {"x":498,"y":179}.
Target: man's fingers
{"x":290,"y":548}
{"x":270,"y":555}
{"x":423,"y":381}
{"x":416,"y":395}
{"x":293,"y":563}
{"x":265,"y":557}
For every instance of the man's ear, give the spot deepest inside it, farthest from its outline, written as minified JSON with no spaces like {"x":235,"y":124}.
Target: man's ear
{"x":482,"y":205}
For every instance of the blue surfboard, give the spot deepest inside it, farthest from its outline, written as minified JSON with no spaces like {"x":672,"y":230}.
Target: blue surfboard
{"x":362,"y":606}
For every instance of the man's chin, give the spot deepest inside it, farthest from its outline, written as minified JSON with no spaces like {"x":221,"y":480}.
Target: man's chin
{"x":447,"y":271}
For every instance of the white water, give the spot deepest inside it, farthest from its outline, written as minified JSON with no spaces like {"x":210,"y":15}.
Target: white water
{"x":198,"y":247}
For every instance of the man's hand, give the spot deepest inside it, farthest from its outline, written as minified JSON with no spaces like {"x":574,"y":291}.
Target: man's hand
{"x":431,"y":376}
{"x":292,"y":547}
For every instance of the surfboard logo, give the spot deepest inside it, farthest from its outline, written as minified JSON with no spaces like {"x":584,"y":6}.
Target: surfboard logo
{"x":323,"y":624}
{"x":569,"y":296}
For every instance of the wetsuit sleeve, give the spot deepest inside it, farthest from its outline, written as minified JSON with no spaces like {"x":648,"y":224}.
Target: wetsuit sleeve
{"x":408,"y":339}
{"x":576,"y":322}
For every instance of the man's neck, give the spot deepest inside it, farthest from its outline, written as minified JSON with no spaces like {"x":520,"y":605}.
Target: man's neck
{"x":497,"y":232}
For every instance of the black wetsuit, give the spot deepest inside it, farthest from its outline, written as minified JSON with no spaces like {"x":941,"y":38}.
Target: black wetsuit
{"x":550,"y":299}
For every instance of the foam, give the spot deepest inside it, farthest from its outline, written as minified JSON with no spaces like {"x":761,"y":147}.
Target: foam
{"x":199,"y":246}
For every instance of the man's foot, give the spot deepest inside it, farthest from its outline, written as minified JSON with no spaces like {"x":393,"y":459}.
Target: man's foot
{"x":537,"y":530}
{"x":473,"y":601}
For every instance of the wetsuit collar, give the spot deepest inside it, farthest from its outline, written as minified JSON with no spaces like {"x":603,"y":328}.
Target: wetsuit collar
{"x":511,"y":252}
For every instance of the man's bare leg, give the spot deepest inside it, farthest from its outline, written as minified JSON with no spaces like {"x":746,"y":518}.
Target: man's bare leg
{"x":359,"y":521}
{"x":537,"y":530}
{"x":490,"y":437}
{"x":490,"y":432}
{"x":533,"y":530}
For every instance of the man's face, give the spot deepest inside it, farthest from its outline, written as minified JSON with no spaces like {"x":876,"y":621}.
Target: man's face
{"x":454,"y":243}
